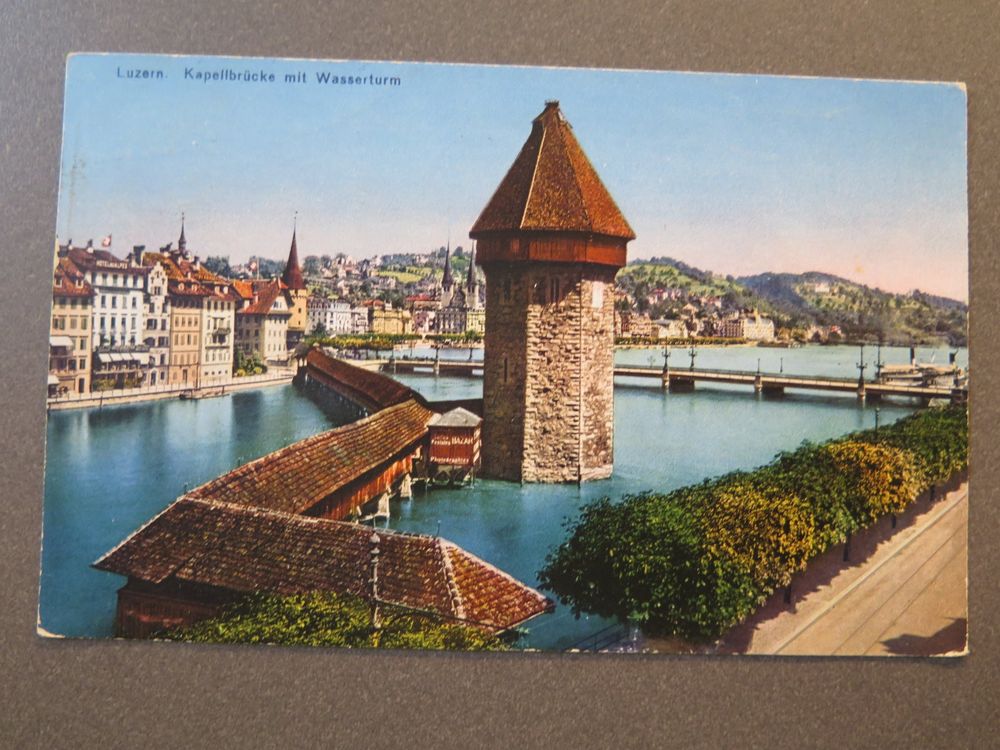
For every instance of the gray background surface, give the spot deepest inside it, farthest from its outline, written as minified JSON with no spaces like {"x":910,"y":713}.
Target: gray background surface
{"x":118,"y":694}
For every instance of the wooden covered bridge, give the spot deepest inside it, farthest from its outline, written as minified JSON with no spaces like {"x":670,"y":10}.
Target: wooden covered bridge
{"x":276,"y":523}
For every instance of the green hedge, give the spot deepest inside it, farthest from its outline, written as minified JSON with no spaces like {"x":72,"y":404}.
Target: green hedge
{"x":695,"y":561}
{"x":328,"y":619}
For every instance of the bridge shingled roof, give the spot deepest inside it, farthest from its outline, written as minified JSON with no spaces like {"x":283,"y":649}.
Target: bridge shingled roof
{"x":246,"y":549}
{"x":552,"y":186}
{"x":379,"y":389}
{"x":299,"y":476}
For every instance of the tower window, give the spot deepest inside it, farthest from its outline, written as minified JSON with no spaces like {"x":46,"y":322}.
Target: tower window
{"x":505,"y":369}
{"x":539,"y":291}
{"x":554,"y":290}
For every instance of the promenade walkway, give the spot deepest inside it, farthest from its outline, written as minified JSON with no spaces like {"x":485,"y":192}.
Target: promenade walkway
{"x":275,"y":376}
{"x":903,"y":593}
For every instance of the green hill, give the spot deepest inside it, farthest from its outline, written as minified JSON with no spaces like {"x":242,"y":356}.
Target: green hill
{"x":861,"y":311}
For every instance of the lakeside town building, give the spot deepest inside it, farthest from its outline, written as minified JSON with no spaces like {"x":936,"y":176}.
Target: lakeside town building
{"x":119,"y":358}
{"x":751,"y":326}
{"x":157,"y":333}
{"x":119,"y":289}
{"x":202,"y":307}
{"x":69,"y":333}
{"x":384,"y":320}
{"x":330,"y":315}
{"x":550,"y":242}
{"x":262,"y":320}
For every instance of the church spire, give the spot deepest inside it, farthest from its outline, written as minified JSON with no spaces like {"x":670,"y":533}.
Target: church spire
{"x":470,"y":280}
{"x":292,"y":277}
{"x":182,"y":240}
{"x":446,"y":280}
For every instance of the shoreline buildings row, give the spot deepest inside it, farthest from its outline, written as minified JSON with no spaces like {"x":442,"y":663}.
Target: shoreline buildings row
{"x":164,"y":318}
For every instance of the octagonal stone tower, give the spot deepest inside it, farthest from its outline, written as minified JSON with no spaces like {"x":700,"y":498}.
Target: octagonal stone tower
{"x":550,"y":242}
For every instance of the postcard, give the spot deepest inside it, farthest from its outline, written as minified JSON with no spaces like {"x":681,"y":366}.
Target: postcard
{"x":434,"y":356}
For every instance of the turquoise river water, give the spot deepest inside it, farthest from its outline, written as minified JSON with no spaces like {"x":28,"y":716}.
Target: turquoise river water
{"x":108,"y":471}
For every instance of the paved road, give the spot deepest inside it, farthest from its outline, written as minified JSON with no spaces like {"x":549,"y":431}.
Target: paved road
{"x":903,"y":593}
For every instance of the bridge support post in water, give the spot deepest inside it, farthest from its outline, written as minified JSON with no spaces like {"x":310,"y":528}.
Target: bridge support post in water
{"x":406,"y":487}
{"x":437,"y":361}
{"x":665,"y":377}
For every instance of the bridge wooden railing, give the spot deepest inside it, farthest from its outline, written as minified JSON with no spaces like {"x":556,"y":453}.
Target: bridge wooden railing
{"x":767,"y":381}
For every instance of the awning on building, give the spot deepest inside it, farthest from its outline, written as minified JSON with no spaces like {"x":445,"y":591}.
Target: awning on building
{"x":53,"y":380}
{"x":63,"y":342}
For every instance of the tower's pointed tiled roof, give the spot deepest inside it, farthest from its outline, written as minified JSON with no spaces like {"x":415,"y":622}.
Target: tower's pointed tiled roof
{"x":446,"y":279}
{"x":293,"y":273}
{"x":552,"y":186}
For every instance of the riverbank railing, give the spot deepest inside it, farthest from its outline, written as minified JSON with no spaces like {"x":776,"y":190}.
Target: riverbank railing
{"x":273,"y":375}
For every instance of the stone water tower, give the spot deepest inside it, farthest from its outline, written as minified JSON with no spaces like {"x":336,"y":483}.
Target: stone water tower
{"x":550,"y":242}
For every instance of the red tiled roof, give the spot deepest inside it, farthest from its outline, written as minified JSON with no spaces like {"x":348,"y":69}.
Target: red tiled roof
{"x":244,"y":288}
{"x":299,"y":476}
{"x":190,"y":289}
{"x":69,"y":281}
{"x":267,"y":292}
{"x":371,"y":389}
{"x":95,"y":259}
{"x":249,"y":549}
{"x":180,"y":268}
{"x":552,"y":186}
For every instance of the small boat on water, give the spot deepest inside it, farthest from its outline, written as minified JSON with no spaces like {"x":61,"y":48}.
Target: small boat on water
{"x":924,"y":373}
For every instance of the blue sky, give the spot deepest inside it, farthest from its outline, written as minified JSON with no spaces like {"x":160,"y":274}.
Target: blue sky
{"x":733,"y":173}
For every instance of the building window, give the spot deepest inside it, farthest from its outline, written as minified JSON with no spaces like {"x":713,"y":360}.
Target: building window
{"x":554,"y":290}
{"x":505,"y":370}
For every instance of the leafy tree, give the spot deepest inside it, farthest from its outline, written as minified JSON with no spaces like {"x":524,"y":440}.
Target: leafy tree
{"x":328,"y":619}
{"x":311,"y":265}
{"x":219,"y":264}
{"x":247,"y":364}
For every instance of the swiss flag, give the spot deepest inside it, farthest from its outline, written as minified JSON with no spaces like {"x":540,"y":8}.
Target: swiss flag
{"x":106,"y":242}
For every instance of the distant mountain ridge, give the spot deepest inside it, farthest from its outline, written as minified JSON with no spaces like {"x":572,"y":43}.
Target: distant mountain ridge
{"x":816,"y":298}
